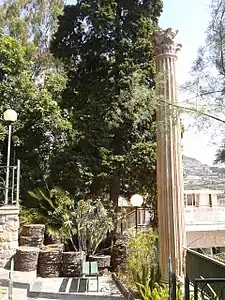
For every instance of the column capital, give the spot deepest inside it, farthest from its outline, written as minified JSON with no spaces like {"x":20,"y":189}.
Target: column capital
{"x":165,"y":42}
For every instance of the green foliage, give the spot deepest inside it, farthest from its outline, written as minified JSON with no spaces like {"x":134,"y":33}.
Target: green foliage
{"x":141,"y":258}
{"x":30,"y":20}
{"x":142,"y":270}
{"x":42,"y":127}
{"x":32,"y":23}
{"x":107,"y":52}
{"x":86,"y":123}
{"x":57,"y":210}
{"x":206,"y":87}
{"x":158,"y":292}
{"x":2,"y":132}
{"x":93,"y":222}
{"x":52,"y":207}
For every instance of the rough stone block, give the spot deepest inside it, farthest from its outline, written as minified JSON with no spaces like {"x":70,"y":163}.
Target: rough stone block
{"x":12,"y":225}
{"x":6,"y":237}
{"x":2,"y":219}
{"x":9,"y":226}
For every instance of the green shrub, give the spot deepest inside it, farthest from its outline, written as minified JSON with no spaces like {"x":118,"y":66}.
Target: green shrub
{"x":142,"y":256}
{"x":142,"y":268}
{"x":93,"y":221}
{"x":88,"y":221}
{"x":52,"y":207}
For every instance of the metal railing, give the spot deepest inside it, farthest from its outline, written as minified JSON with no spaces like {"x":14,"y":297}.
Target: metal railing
{"x":9,"y":192}
{"x":128,"y":220}
{"x":209,"y":288}
{"x":205,"y":215}
{"x":206,"y":275}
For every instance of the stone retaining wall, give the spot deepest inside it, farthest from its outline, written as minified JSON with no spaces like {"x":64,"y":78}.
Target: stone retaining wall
{"x":9,"y":227}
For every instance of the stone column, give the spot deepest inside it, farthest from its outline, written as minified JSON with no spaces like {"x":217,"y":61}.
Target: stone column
{"x":9,"y":230}
{"x":169,"y":160}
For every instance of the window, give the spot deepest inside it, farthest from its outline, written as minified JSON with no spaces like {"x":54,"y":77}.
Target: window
{"x":210,"y":200}
{"x":191,"y":200}
{"x":197,"y":200}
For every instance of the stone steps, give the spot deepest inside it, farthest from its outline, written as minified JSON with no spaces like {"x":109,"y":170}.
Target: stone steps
{"x":21,"y":283}
{"x":18,"y":294}
{"x":26,"y":286}
{"x":66,"y":289}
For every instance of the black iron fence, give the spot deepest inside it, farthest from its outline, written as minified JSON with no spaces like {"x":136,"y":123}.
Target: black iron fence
{"x":172,"y":282}
{"x":209,"y":288}
{"x":205,"y":278}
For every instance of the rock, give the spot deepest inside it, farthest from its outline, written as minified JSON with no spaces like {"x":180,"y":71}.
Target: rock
{"x":31,"y":241}
{"x":118,"y":253}
{"x":26,"y":259}
{"x":33,"y":230}
{"x":102,"y":260}
{"x":32,"y":235}
{"x":71,"y":265}
{"x":49,"y":270}
{"x":50,"y":260}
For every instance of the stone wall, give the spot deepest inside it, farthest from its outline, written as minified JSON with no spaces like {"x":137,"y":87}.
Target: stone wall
{"x":9,"y":229}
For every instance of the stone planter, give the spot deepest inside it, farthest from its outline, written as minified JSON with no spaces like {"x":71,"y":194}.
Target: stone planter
{"x":32,"y":235}
{"x":71,"y":265}
{"x":102,"y":260}
{"x":50,"y":261}
{"x":26,"y":259}
{"x":118,"y":254}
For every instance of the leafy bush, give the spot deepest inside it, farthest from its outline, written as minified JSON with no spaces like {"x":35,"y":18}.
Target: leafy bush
{"x":88,"y":220}
{"x":52,"y":207}
{"x":157,"y":291}
{"x":140,"y":262}
{"x":142,"y":256}
{"x":142,"y":269}
{"x":93,"y":222}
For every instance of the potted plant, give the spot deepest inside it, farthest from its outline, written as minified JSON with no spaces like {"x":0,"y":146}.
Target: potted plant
{"x":94,"y":221}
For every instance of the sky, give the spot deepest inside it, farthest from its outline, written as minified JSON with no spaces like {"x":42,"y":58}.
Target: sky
{"x":191,"y":18}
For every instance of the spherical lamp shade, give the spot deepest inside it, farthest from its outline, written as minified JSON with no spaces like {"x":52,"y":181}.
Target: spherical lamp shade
{"x":136,"y":200}
{"x":10,"y":115}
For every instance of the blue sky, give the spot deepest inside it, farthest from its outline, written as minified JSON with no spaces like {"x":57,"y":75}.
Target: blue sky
{"x":191,"y":19}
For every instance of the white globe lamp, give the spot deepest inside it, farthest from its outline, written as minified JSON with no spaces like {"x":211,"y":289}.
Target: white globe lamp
{"x":10,"y":115}
{"x":136,"y":200}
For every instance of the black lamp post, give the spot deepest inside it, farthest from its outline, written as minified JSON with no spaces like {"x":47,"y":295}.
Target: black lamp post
{"x":136,"y":201}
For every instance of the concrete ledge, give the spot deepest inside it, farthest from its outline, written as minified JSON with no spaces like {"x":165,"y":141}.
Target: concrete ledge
{"x":122,"y":288}
{"x":71,"y":296}
{"x":9,"y":210}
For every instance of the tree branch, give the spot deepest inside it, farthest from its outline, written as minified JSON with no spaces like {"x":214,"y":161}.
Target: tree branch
{"x":194,"y":110}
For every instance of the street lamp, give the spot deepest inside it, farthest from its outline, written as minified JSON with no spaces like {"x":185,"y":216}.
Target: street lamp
{"x":136,"y":201}
{"x":9,"y":116}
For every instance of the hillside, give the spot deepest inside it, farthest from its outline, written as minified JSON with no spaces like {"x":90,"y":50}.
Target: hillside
{"x":198,"y":175}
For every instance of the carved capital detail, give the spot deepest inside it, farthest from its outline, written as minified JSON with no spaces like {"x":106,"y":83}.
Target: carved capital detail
{"x":165,"y":42}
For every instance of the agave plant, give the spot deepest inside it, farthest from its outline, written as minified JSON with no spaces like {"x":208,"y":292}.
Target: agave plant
{"x":93,"y":222}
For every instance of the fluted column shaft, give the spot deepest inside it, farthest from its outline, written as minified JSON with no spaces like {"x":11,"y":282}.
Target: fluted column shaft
{"x":169,"y":160}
